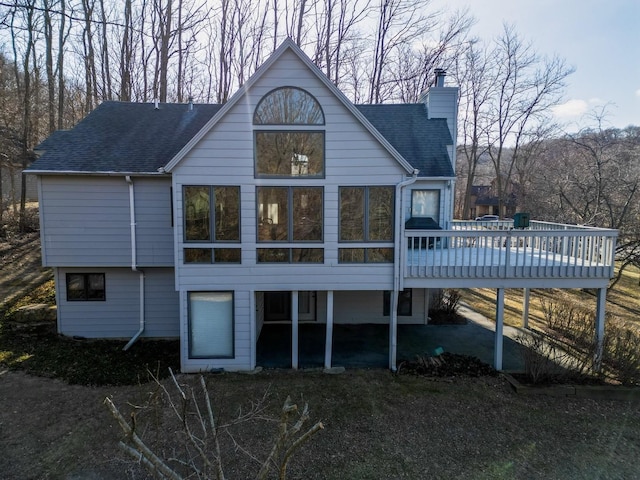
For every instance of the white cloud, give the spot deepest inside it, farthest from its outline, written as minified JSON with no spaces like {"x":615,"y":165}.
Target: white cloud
{"x":572,"y":108}
{"x":638,"y":93}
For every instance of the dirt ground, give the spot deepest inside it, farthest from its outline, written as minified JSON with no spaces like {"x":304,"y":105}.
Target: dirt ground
{"x":20,"y":267}
{"x":377,"y":426}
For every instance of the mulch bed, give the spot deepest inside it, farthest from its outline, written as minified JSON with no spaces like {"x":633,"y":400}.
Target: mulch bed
{"x":446,"y":365}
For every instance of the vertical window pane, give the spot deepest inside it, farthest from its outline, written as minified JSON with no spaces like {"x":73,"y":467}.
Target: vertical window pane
{"x":197,"y":214}
{"x":425,"y":203}
{"x":352,"y":213}
{"x":95,"y":286}
{"x":307,"y":214}
{"x":380,"y":213}
{"x":75,"y":286}
{"x":211,"y":324}
{"x":273,"y":214}
{"x":227,"y":214}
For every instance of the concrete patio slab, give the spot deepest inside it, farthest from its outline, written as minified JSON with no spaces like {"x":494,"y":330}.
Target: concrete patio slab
{"x":367,"y":345}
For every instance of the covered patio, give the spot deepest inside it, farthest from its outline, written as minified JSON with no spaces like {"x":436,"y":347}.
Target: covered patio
{"x":367,"y":345}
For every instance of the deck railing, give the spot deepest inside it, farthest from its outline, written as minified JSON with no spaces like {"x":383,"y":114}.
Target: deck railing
{"x":496,"y":250}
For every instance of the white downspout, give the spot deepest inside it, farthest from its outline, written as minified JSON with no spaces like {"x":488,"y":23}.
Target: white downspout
{"x":134,"y":261}
{"x":397,"y":266}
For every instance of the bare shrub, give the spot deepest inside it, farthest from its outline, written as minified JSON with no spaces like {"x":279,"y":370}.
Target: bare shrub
{"x":543,"y":361}
{"x":621,"y":352}
{"x":445,"y":301}
{"x":576,"y":326}
{"x":200,"y":443}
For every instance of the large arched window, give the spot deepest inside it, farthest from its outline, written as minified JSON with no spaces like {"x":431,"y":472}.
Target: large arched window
{"x":288,"y":106}
{"x":289,"y":141}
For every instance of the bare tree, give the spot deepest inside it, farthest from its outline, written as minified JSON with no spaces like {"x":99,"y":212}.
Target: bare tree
{"x":398,"y":23}
{"x":526,"y":86}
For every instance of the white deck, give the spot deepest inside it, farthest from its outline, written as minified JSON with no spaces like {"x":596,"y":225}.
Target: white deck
{"x":495,"y":255}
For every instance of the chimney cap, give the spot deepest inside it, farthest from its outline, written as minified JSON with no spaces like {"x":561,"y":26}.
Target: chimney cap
{"x":440,"y":74}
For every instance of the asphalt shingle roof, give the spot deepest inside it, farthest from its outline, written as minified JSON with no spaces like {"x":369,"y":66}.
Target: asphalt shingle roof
{"x":124,"y":137}
{"x":138,"y":138}
{"x":420,"y":140}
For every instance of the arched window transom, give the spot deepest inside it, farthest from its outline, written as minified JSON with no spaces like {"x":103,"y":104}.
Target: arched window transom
{"x":288,"y":106}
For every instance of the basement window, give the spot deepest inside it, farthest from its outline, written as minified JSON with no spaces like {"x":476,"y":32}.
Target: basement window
{"x":88,"y":287}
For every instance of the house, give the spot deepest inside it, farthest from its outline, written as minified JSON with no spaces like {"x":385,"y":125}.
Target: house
{"x":485,"y":199}
{"x":286,"y":204}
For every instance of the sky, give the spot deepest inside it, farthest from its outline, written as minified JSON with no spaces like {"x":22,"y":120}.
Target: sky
{"x":599,"y":38}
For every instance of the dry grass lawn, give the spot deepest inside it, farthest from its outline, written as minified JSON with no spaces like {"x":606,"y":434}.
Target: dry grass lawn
{"x":377,"y":426}
{"x":623,"y":300}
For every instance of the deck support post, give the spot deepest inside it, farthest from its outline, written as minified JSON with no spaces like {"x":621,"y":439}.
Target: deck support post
{"x":393,"y":330}
{"x":328,"y":341}
{"x":599,"y":334}
{"x":497,"y":352}
{"x":525,"y":308}
{"x":294,"y":330}
{"x":427,"y":299}
{"x":252,"y":328}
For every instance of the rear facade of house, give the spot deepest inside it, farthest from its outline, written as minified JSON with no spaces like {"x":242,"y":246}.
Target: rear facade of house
{"x":206,"y":222}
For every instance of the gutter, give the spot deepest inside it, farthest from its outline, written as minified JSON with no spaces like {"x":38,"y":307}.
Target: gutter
{"x":134,"y":262}
{"x":160,"y":172}
{"x":397,"y":265}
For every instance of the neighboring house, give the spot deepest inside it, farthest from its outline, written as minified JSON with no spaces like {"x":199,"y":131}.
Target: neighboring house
{"x":288,"y":203}
{"x":485,"y":200}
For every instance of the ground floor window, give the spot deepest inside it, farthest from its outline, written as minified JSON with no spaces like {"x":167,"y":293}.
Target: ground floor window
{"x":211,"y":332}
{"x":404,"y":303}
{"x":85,"y":287}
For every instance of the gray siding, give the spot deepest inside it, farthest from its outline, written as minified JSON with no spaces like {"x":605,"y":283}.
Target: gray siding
{"x":225,"y":157}
{"x":119,"y":315}
{"x":153,"y":221}
{"x":86,"y":221}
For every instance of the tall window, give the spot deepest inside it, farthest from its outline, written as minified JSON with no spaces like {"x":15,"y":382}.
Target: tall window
{"x":297,"y":152}
{"x":211,"y":214}
{"x":289,"y":214}
{"x":366,"y":215}
{"x":425,"y":203}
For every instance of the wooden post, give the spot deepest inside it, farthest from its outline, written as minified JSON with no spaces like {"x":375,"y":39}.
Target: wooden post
{"x":600,"y":319}
{"x":328,"y":341}
{"x":525,"y":308}
{"x":497,"y":352}
{"x":294,"y":330}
